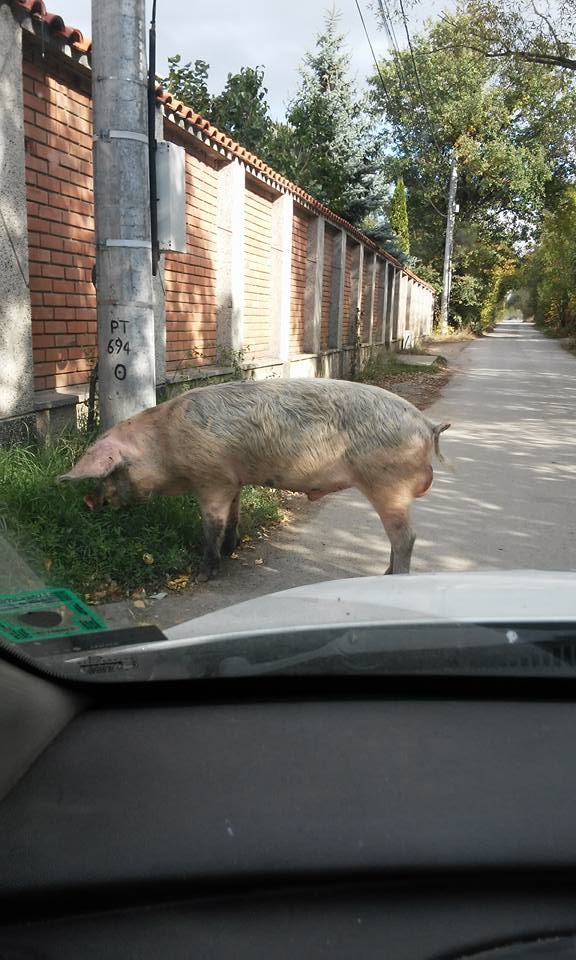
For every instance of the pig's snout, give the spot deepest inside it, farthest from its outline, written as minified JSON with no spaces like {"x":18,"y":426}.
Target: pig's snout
{"x":96,"y":500}
{"x":104,"y":494}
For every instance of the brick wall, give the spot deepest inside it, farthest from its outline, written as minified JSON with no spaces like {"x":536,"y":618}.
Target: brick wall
{"x":366,"y":297}
{"x":377,"y":335}
{"x":59,"y":184}
{"x":326,"y":287}
{"x":388,"y":318}
{"x":258,"y":263}
{"x":348,"y":329}
{"x":58,"y":131}
{"x":190,"y":278}
{"x":299,"y":260}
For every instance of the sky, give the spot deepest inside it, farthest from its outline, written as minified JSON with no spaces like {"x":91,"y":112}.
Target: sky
{"x":231,"y":34}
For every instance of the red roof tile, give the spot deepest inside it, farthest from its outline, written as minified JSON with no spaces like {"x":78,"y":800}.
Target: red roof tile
{"x":36,"y":9}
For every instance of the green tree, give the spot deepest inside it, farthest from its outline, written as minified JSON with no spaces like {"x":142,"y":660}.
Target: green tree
{"x":242,"y":110}
{"x":501,"y":124}
{"x":517,"y":31}
{"x":189,"y":83}
{"x":550,"y":270}
{"x":399,"y":216}
{"x":504,"y":280}
{"x":377,"y":226}
{"x":328,"y":145}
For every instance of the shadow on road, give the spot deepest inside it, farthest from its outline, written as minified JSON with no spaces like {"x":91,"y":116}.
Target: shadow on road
{"x":513,"y":444}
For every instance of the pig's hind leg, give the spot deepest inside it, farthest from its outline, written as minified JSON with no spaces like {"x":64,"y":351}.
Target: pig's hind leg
{"x":219,"y":510}
{"x":396,"y":523}
{"x":393,"y":508}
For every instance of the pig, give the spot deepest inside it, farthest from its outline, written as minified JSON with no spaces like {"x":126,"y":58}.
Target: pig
{"x":310,"y":436}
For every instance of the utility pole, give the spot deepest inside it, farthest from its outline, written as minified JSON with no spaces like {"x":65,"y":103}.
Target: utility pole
{"x":124,"y":294}
{"x":448,"y":246}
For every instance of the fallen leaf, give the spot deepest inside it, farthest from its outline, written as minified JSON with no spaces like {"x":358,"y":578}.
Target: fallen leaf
{"x":96,"y":596}
{"x":148,"y":558}
{"x":178,"y":583}
{"x":141,"y":604}
{"x":259,"y":560}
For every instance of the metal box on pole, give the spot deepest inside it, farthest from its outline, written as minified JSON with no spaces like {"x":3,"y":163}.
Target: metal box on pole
{"x":171,"y":193}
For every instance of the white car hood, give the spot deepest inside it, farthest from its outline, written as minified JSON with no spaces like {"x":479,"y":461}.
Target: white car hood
{"x":522,"y":596}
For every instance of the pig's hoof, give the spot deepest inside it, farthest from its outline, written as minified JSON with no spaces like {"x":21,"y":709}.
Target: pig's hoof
{"x":229,"y":545}
{"x":205,"y":574}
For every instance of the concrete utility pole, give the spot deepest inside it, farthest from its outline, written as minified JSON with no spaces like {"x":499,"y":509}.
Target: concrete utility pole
{"x":124,"y":294}
{"x":447,"y":273}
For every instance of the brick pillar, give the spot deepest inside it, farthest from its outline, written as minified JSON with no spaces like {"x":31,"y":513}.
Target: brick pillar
{"x":230,"y":257}
{"x":356,"y":292}
{"x":336,"y":322}
{"x":410,"y":325}
{"x":16,"y":367}
{"x":401,"y":305}
{"x":429,"y":311}
{"x":313,"y":292}
{"x":372,"y":266}
{"x":383,"y":281}
{"x":281,"y":276}
{"x":389,"y":310}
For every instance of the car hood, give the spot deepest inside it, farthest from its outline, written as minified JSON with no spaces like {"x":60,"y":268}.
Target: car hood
{"x":522,"y":596}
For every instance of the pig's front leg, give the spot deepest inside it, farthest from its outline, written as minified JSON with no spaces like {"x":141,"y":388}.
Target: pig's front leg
{"x":213,"y":537}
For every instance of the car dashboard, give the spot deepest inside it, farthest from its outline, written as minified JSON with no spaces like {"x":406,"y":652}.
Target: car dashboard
{"x":298,"y":816}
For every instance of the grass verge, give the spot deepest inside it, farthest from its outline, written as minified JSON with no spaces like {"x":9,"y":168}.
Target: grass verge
{"x":421,"y":385}
{"x":389,"y":366}
{"x":111,"y":553}
{"x":557,"y":332}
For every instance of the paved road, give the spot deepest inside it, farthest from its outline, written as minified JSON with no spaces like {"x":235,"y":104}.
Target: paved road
{"x":511,"y":502}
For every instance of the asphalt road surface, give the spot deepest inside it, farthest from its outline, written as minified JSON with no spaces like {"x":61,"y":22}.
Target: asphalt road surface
{"x":509,"y":504}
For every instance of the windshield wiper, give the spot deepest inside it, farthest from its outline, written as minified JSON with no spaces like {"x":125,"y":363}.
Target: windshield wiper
{"x":424,"y":649}
{"x":457,"y":649}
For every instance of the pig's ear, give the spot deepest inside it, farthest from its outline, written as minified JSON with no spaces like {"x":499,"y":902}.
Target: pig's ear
{"x":98,"y":462}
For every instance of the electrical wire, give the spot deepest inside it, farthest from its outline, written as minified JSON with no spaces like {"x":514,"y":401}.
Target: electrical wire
{"x":390,"y":32}
{"x":387,"y":96}
{"x":388,"y":24}
{"x":387,"y":21}
{"x":418,"y":81}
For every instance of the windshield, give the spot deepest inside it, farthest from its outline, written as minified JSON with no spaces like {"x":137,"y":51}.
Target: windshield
{"x":288,"y":358}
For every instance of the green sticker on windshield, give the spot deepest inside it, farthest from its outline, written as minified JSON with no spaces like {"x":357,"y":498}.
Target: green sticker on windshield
{"x":43,"y":614}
